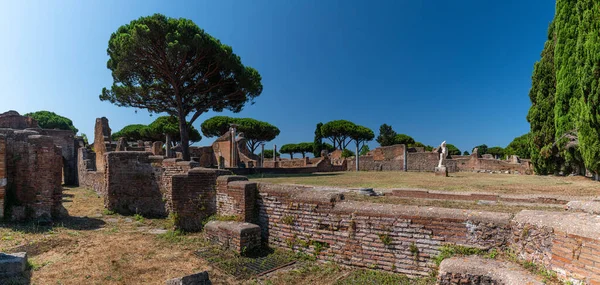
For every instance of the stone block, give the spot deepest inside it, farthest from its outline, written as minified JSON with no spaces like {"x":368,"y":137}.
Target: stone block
{"x":238,"y":236}
{"x":441,"y":171}
{"x":13,"y":264}
{"x":194,"y":279}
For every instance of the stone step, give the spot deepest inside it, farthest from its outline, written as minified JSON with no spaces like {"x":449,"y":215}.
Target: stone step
{"x":238,"y":236}
{"x":479,"y":270}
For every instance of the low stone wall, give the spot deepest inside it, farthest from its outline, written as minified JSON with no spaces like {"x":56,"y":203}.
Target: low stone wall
{"x":567,"y":243}
{"x":427,"y":194}
{"x":287,"y":163}
{"x":395,"y":238}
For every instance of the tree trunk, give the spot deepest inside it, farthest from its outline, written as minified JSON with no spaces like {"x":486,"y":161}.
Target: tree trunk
{"x":291,"y":156}
{"x":185,"y":139}
{"x":303,"y":155}
{"x":357,"y":155}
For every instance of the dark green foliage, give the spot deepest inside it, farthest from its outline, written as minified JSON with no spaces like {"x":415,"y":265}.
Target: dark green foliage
{"x":328,"y":147}
{"x":85,"y":139}
{"x":304,"y":148}
{"x":466,"y":153}
{"x":481,"y":149}
{"x":318,"y":141}
{"x":255,"y":131}
{"x":347,"y":153}
{"x":170,"y":65}
{"x":130,"y":133}
{"x":51,"y":120}
{"x":163,"y":125}
{"x":386,"y":135}
{"x":565,"y":90}
{"x":520,"y":146}
{"x":541,"y":113}
{"x":338,"y":132}
{"x":269,"y":153}
{"x":417,"y":144}
{"x":428,"y":148}
{"x":288,"y":149}
{"x":156,"y":131}
{"x":364,"y":150}
{"x":496,"y":151}
{"x":452,"y":150}
{"x":403,"y":139}
{"x":361,"y":135}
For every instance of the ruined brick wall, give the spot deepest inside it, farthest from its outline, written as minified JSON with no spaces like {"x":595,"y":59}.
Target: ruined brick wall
{"x":287,"y":163}
{"x":171,"y":167}
{"x":392,"y":152}
{"x":422,"y":161}
{"x":395,"y":238}
{"x":236,"y":197}
{"x":87,"y":174}
{"x":131,"y":185}
{"x":65,"y":139}
{"x":3,"y":179}
{"x":368,"y":163}
{"x":474,"y":163}
{"x":567,"y":243}
{"x":13,"y":120}
{"x":205,"y":156}
{"x":193,"y":197}
{"x":34,"y":176}
{"x":102,"y":142}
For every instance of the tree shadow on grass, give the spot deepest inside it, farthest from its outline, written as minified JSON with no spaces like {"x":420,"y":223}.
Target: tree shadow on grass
{"x":69,"y":222}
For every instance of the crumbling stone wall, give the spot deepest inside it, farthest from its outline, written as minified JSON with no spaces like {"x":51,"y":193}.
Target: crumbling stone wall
{"x":131,"y":185}
{"x":13,"y":120}
{"x":395,"y":238}
{"x":236,"y":197}
{"x":3,"y":179}
{"x":65,"y":139}
{"x":33,"y":168}
{"x":87,"y":174}
{"x":193,"y":197}
{"x":205,"y":156}
{"x":567,"y":243}
{"x":102,"y":142}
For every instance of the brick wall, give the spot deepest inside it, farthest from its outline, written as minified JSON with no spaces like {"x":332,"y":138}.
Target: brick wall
{"x":131,"y":185}
{"x":65,"y":139}
{"x":368,"y":163}
{"x":567,"y":243}
{"x":392,"y":152}
{"x":12,"y":120}
{"x":87,"y":174}
{"x":3,"y":179}
{"x":236,"y":197}
{"x":395,"y":238}
{"x":34,"y":176}
{"x":193,"y":197}
{"x":204,"y":155}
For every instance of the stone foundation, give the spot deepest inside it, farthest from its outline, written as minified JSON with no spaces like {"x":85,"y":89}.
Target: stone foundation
{"x":238,"y":236}
{"x":475,"y":270}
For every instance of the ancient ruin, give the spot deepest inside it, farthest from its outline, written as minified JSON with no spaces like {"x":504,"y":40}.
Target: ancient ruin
{"x":34,"y":162}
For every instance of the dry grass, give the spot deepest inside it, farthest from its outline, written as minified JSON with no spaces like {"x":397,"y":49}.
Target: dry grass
{"x":90,"y":247}
{"x":462,"y":181}
{"x":94,"y":246}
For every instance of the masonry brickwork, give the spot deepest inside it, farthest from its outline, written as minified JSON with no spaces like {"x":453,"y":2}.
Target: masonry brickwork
{"x":33,"y":169}
{"x":3,"y":174}
{"x":395,"y":238}
{"x":131,"y":185}
{"x":240,"y":237}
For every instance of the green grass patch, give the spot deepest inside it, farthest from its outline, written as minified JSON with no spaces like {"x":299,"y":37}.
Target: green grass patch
{"x":364,"y":276}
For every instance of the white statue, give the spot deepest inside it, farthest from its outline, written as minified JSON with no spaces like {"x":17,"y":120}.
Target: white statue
{"x":443,"y":153}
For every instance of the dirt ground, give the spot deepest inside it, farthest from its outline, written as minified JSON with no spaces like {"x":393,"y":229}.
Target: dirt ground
{"x":95,"y":246}
{"x":461,"y":181}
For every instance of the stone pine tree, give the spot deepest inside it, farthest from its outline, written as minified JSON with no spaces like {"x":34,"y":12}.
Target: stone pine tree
{"x":361,"y":135}
{"x":168,"y":65}
{"x":318,"y":141}
{"x":255,"y":131}
{"x":338,"y":132}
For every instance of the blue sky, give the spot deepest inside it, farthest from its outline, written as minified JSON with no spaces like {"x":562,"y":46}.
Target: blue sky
{"x":458,"y":71}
